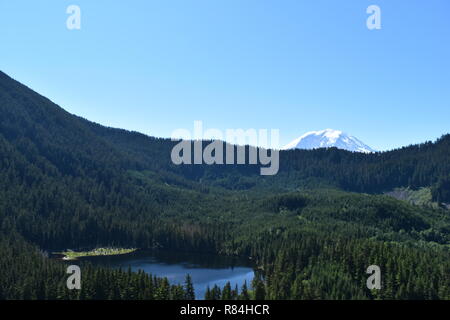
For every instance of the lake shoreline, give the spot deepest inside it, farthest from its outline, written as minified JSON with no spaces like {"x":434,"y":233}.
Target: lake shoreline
{"x":206,"y":270}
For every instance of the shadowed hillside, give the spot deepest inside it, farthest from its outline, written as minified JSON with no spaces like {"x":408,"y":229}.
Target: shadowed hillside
{"x":66,"y":182}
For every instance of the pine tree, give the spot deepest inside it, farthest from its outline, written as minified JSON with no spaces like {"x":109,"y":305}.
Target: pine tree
{"x":244,"y":292}
{"x":208,"y":295}
{"x":189,"y":288}
{"x":259,"y":289}
{"x":226,"y":292}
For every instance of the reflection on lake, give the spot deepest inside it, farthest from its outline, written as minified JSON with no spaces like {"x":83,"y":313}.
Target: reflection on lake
{"x":204,"y":269}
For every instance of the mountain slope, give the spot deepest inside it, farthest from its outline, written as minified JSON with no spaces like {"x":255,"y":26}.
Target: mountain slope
{"x":60,"y":143}
{"x":328,"y":138}
{"x":67,"y":182}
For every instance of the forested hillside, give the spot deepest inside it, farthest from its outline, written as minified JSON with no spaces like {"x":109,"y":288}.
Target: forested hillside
{"x":311,"y":230}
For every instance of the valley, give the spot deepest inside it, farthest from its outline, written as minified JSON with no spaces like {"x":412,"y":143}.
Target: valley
{"x":311,"y":230}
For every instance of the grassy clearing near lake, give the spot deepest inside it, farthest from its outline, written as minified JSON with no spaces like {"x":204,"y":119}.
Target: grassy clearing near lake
{"x":72,"y":255}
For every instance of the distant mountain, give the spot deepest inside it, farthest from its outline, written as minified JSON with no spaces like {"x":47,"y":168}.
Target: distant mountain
{"x":66,"y":182}
{"x":329,"y":138}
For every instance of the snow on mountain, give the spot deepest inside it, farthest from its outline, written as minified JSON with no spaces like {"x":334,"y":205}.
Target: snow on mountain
{"x":329,"y":138}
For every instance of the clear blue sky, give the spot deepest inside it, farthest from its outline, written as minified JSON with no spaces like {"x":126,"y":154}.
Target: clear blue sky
{"x":155,"y":66}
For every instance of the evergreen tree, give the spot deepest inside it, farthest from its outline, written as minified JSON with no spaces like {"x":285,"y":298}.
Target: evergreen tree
{"x":226,"y":292}
{"x":189,"y":288}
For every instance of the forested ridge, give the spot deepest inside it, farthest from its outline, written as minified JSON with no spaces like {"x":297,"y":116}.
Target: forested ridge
{"x":311,"y":230}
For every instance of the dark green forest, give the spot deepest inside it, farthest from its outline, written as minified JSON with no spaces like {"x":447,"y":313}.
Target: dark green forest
{"x":311,"y":230}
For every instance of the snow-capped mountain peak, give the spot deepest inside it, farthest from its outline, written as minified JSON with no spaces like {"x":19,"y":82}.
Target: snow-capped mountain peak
{"x":329,"y":138}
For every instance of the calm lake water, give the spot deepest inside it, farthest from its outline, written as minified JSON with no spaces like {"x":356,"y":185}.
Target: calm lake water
{"x":204,"y":269}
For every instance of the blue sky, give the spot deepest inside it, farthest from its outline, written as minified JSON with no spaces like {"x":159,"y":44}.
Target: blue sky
{"x":297,"y":66}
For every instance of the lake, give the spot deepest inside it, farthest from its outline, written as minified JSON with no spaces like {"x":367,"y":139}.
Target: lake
{"x":205,"y":270}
